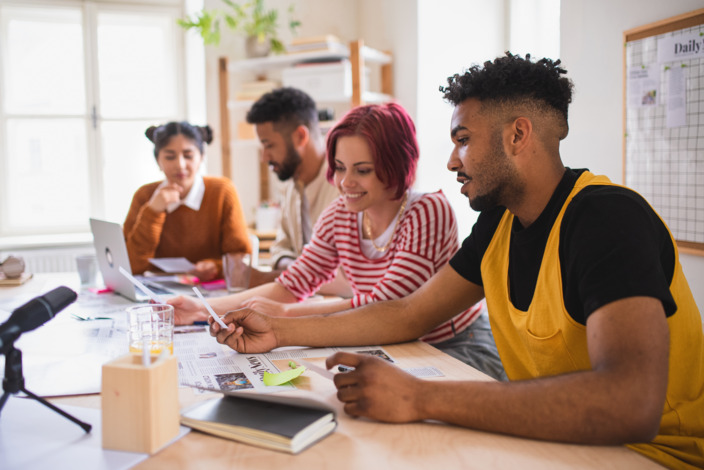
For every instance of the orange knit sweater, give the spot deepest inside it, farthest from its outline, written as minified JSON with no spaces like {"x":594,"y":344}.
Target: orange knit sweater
{"x":218,"y":227}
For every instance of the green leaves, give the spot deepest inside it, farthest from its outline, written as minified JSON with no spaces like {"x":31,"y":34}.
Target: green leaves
{"x":249,"y":18}
{"x":206,"y":23}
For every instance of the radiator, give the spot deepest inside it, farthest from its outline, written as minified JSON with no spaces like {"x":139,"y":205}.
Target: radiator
{"x":45,"y":260}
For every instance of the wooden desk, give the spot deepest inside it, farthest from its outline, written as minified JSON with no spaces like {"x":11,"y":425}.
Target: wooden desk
{"x":365,"y":444}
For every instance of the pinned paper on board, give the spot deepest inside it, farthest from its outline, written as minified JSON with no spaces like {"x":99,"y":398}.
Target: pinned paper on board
{"x":676,"y":110}
{"x":643,"y":84}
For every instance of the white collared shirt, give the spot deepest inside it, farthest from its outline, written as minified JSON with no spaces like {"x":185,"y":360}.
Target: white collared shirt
{"x":193,"y":199}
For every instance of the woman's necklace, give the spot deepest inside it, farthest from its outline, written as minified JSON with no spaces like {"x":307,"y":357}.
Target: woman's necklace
{"x":368,"y":228}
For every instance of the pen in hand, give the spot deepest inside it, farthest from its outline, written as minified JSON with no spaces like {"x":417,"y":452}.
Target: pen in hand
{"x":210,"y":310}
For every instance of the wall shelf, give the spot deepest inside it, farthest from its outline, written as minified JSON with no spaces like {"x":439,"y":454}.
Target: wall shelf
{"x":260,"y":64}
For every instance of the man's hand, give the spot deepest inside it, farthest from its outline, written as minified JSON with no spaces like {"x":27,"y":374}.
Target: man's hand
{"x":247,"y":331}
{"x":187,"y":310}
{"x":162,"y":197}
{"x":376,"y":389}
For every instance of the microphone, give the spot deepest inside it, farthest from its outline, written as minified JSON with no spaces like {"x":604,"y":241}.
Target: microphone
{"x":33,"y":314}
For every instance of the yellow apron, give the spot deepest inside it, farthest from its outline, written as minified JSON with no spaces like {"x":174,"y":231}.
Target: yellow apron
{"x":546,"y":341}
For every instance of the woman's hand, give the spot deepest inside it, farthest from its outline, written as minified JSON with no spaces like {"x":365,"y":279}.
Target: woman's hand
{"x":267,"y":306}
{"x":187,"y":310}
{"x":165,"y":196}
{"x":205,"y":270}
{"x":376,"y":389}
{"x":247,"y":331}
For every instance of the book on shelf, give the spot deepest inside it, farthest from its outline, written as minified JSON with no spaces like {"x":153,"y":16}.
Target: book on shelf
{"x":326,"y":43}
{"x":314,"y":39}
{"x":255,"y":89}
{"x":278,"y":422}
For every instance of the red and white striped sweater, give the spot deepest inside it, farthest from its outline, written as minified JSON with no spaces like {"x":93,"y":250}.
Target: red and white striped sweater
{"x":423,"y":242}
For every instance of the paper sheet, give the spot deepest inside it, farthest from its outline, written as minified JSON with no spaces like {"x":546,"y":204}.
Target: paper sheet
{"x":676,"y":98}
{"x":643,"y":86}
{"x":172,"y":265}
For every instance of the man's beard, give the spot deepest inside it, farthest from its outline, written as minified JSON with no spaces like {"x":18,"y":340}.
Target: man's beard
{"x":290,"y":164}
{"x":502,"y":175}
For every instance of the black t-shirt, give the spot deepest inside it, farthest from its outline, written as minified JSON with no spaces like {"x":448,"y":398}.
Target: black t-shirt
{"x":612,"y":246}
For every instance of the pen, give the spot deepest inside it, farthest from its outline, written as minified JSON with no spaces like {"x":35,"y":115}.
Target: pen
{"x":200,"y":322}
{"x":81,"y":318}
{"x":209,"y":308}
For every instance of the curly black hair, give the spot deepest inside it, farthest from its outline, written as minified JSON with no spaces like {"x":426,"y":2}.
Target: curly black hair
{"x":511,"y":78}
{"x":286,"y":108}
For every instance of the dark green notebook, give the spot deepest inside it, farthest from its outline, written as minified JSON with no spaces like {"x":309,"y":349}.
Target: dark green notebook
{"x":287,"y":424}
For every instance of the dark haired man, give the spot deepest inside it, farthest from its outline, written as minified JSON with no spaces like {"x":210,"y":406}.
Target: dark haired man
{"x":592,"y":315}
{"x":286,"y":122}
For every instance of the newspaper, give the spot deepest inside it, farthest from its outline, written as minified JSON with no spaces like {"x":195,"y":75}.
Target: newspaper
{"x":203,"y":362}
{"x":65,"y":356}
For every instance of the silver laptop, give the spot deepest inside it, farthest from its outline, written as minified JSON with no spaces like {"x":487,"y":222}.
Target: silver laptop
{"x":111,"y":251}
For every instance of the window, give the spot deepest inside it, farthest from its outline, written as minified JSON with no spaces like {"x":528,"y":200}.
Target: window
{"x":79,"y":84}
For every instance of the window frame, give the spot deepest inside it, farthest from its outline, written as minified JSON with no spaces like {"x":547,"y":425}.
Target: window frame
{"x":90,"y":9}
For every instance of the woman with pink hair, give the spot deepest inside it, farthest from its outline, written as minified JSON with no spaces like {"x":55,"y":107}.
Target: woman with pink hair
{"x":387,"y":238}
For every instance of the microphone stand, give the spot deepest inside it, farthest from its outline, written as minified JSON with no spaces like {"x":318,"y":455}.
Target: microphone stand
{"x":14,"y":383}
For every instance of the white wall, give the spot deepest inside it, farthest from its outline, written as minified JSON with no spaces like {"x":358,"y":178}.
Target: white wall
{"x":392,"y":25}
{"x":592,"y":52}
{"x":472,"y":31}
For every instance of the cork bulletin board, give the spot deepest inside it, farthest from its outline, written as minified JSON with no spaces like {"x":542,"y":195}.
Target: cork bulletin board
{"x":663,"y":150}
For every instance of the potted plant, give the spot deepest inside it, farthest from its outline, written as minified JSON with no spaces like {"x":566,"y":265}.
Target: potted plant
{"x":260,"y":26}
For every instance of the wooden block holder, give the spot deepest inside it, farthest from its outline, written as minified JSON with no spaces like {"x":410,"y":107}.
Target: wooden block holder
{"x":140,"y":404}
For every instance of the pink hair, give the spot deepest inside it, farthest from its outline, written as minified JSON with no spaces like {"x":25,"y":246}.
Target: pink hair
{"x":391,"y":135}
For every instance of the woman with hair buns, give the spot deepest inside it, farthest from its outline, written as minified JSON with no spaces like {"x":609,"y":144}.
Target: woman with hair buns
{"x":186,"y":214}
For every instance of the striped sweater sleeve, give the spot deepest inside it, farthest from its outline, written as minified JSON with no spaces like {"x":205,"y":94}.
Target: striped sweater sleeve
{"x":318,"y":263}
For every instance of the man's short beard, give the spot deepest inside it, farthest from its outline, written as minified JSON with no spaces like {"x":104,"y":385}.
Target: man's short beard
{"x":503,"y":176}
{"x":486,"y":201}
{"x":290,"y":164}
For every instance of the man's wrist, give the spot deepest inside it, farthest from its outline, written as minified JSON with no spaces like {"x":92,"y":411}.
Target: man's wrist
{"x":424,"y":400}
{"x":280,"y":331}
